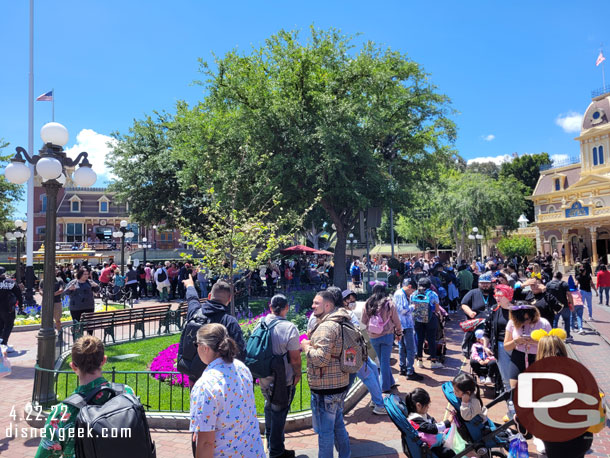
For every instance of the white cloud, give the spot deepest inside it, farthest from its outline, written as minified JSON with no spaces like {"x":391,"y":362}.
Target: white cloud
{"x":96,"y":145}
{"x":496,"y":159}
{"x":570,"y":122}
{"x":559,"y":158}
{"x":489,"y":137}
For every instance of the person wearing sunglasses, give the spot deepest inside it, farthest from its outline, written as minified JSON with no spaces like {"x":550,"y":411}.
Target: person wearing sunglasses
{"x":524,"y":319}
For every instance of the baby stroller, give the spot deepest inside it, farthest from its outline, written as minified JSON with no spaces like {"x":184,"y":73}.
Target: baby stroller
{"x":414,"y":447}
{"x":486,"y":439}
{"x":441,"y":344}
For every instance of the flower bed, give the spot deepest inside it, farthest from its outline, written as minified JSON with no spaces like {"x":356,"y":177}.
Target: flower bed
{"x":166,"y":360}
{"x":33,"y":313}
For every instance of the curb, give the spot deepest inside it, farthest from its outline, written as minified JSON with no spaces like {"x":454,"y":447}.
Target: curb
{"x":575,"y":357}
{"x":181,"y":421}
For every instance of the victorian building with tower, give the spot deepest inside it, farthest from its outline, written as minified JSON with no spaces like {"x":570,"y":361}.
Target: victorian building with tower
{"x":572,"y":200}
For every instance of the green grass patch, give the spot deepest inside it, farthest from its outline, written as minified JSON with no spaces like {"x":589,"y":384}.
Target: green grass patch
{"x":158,"y":395}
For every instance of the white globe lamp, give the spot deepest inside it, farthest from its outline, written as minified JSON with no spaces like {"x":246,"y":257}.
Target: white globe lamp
{"x":54,"y":133}
{"x":17,"y":172}
{"x":84,"y":177}
{"x":48,"y":168}
{"x":124,"y":223}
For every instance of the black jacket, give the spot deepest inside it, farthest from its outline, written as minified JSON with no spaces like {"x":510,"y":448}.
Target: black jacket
{"x":10,"y":293}
{"x":217,"y":312}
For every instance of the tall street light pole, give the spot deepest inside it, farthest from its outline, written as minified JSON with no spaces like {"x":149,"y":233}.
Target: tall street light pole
{"x":52,"y":165}
{"x":18,"y":235}
{"x":145,"y":245}
{"x":476,"y":237}
{"x":123,"y":233}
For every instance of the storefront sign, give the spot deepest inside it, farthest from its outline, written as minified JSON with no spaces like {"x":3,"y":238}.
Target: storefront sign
{"x":577,"y":210}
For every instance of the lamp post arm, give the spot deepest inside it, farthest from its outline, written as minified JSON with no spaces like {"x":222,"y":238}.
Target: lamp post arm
{"x":74,"y":162}
{"x":31,"y":159}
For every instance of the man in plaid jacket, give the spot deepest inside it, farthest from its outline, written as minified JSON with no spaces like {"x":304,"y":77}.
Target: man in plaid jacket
{"x":328,"y":383}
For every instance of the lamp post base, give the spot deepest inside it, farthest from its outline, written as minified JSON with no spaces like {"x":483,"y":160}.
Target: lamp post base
{"x":29,"y":287}
{"x":44,"y":392}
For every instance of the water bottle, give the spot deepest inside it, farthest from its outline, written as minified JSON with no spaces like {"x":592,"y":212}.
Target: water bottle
{"x":511,"y":410}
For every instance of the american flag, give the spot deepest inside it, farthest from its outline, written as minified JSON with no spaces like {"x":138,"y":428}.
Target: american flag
{"x":600,"y":59}
{"x":46,"y":97}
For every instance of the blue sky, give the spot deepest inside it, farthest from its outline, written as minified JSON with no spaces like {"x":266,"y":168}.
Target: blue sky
{"x":519,"y":73}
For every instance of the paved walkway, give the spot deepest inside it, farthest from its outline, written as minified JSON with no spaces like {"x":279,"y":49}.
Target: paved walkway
{"x":370,"y":435}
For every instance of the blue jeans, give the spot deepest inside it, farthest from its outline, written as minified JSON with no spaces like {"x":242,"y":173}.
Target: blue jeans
{"x":566,"y":314}
{"x":426,"y":331}
{"x":275,"y":421}
{"x":602,"y":290}
{"x":579,"y":310}
{"x":504,"y":365}
{"x":327,"y":422}
{"x":369,"y":374}
{"x":406,"y":350}
{"x":587,"y":299}
{"x":383,"y":348}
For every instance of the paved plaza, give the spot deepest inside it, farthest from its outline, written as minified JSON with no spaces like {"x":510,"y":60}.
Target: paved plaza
{"x":370,"y":435}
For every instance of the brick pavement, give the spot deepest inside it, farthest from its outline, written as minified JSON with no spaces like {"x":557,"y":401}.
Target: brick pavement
{"x":370,"y":435}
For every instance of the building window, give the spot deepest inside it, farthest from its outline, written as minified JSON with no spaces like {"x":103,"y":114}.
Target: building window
{"x":551,"y":209}
{"x":74,"y":232}
{"x":595,"y":156}
{"x":557,"y":184}
{"x":43,"y":198}
{"x":599,"y":204}
{"x":75,"y":206}
{"x":600,"y":151}
{"x":167,"y":236}
{"x":103,"y":206}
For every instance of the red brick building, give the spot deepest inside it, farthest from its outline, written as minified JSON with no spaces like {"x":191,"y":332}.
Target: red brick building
{"x":91,"y":215}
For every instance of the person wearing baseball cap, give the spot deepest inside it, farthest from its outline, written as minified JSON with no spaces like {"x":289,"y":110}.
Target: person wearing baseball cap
{"x":406,"y":345}
{"x":477,"y":303}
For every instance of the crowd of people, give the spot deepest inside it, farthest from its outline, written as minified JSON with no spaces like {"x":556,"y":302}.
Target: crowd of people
{"x":513,"y":299}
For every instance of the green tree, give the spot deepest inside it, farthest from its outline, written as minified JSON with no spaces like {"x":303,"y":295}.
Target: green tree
{"x":526,"y":169}
{"x":486,"y":168}
{"x":10,"y":193}
{"x":317,"y":120}
{"x":468,"y":199}
{"x":516,"y":245}
{"x":147,"y":176}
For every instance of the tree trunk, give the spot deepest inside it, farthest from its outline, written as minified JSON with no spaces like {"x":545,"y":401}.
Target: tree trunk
{"x":340,"y":274}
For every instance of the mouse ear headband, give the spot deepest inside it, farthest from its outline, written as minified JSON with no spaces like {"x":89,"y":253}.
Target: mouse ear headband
{"x":540,"y":333}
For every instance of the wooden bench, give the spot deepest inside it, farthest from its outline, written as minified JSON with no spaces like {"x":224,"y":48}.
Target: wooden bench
{"x":134,"y":318}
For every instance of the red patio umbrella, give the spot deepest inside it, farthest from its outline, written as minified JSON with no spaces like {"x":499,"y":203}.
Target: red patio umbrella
{"x":324,"y":252}
{"x":298,"y":249}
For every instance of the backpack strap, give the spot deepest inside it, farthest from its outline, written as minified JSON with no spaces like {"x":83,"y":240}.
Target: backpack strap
{"x":79,"y":400}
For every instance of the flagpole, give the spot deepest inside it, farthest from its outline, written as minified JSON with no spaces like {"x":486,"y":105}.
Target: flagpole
{"x":29,"y":239}
{"x":53,"y":100}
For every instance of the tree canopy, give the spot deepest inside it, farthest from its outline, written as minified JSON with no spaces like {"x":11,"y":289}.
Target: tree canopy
{"x":10,"y":193}
{"x":318,"y":120}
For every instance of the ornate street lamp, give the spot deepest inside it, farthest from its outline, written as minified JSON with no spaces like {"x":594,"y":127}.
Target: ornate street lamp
{"x":18,"y":235}
{"x":155,"y":237}
{"x":476,"y":237}
{"x":52,"y":165}
{"x":352,"y":241}
{"x":123,"y":233}
{"x":145,"y":245}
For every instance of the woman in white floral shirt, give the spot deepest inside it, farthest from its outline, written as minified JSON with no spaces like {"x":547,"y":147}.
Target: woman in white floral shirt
{"x":223,"y":412}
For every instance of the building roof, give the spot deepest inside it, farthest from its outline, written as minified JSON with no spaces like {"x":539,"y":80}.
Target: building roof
{"x":546,"y":183}
{"x":89,"y":204}
{"x":598,"y":113}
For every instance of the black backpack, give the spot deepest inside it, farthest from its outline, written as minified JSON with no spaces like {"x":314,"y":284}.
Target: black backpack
{"x":99,"y":428}
{"x":162,"y":276}
{"x":188,"y":361}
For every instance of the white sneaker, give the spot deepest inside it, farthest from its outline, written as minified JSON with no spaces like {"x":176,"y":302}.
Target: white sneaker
{"x":488,"y":381}
{"x":581,"y":331}
{"x":482,"y":380}
{"x":380,"y":410}
{"x":435,"y":365}
{"x":10,"y":349}
{"x":420,"y":363}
